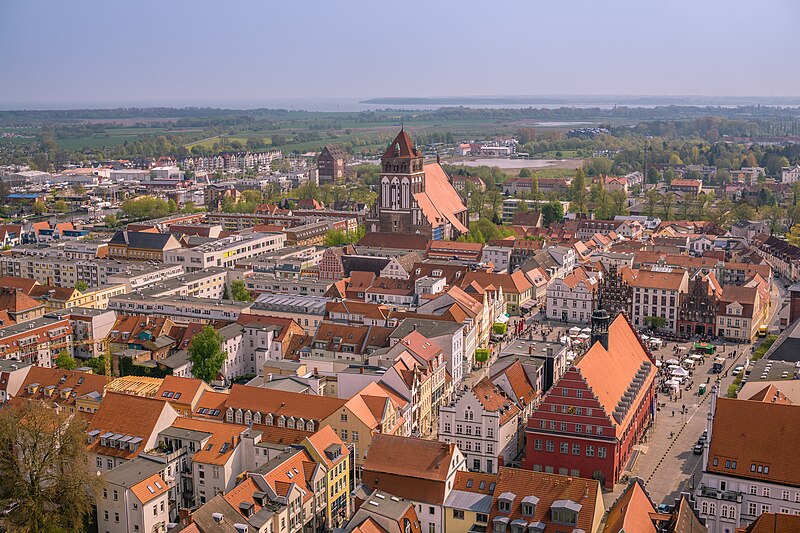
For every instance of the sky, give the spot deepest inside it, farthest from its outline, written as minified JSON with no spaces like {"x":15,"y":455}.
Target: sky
{"x":101,"y":53}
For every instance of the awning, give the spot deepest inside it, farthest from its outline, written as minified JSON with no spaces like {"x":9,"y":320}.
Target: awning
{"x":527,"y":305}
{"x":680,"y":372}
{"x":502,"y":319}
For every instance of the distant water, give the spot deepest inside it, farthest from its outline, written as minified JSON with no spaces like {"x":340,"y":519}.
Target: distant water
{"x":363,"y":104}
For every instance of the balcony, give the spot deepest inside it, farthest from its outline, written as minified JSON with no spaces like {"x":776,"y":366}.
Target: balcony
{"x":717,"y":494}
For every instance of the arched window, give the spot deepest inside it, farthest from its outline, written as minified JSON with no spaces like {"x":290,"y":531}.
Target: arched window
{"x":406,"y":195}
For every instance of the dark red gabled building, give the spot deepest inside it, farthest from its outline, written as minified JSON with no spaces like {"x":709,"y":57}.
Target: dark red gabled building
{"x":590,"y":419}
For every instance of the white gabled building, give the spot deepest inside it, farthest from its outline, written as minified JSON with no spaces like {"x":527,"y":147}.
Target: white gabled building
{"x":570,"y":299}
{"x":484,"y":424}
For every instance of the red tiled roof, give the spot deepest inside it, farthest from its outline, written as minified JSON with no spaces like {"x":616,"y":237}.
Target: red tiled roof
{"x":609,"y":372}
{"x":277,"y":403}
{"x":745,"y":431}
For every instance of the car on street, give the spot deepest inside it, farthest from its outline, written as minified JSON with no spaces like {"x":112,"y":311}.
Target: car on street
{"x":703,"y":437}
{"x":664,"y":508}
{"x":698,"y":449}
{"x":737,"y":369}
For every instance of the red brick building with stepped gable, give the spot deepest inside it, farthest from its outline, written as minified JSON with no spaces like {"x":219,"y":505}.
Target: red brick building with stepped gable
{"x":589,"y":421}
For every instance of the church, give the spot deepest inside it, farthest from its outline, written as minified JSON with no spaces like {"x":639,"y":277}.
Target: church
{"x":414,"y":197}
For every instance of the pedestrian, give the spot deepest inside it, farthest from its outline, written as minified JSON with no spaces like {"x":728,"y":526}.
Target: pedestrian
{"x":673,"y":413}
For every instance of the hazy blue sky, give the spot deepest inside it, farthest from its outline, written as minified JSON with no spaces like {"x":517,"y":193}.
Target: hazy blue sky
{"x":189,"y":52}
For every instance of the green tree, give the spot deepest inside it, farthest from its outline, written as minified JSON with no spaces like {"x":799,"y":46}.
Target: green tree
{"x":652,"y":197}
{"x":60,"y":206}
{"x":667,"y":201}
{"x":652,"y":175}
{"x":43,"y":462}
{"x":206,"y":355}
{"x":619,"y":203}
{"x":552,"y":212}
{"x":65,"y":361}
{"x":774,"y":215}
{"x":81,"y":286}
{"x":240,"y":292}
{"x":39,"y":208}
{"x":577,"y":192}
{"x":111,"y":221}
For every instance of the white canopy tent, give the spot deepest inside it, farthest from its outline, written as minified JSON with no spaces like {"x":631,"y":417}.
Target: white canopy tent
{"x":682,"y":372}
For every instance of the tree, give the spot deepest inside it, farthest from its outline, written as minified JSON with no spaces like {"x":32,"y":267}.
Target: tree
{"x":652,"y":175}
{"x":793,"y":237}
{"x":239,"y":292}
{"x":111,"y":221}
{"x":577,"y":191}
{"x":552,"y":212}
{"x":226,"y":294}
{"x":81,"y":286}
{"x":65,"y":361}
{"x":43,"y":466}
{"x":619,"y":203}
{"x":60,"y":206}
{"x":774,"y":215}
{"x":39,"y":208}
{"x":206,"y":355}
{"x":652,"y":196}
{"x":667,"y":201}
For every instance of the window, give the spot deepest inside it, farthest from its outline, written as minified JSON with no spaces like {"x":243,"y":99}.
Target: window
{"x":116,"y":518}
{"x":564,"y":392}
{"x":116,"y":495}
{"x":344,"y":434}
{"x":564,"y":447}
{"x":589,"y":450}
{"x":576,"y":449}
{"x":765,"y":492}
{"x":343,"y":417}
{"x":563,"y":426}
{"x":480,"y":517}
{"x":355,"y":436}
{"x":753,"y":490}
{"x":537,"y":444}
{"x":110,"y":464}
{"x":752,"y":509}
{"x":99,"y":462}
{"x":504,"y":505}
{"x":431,"y":510}
{"x":458,"y":514}
{"x":601,"y":452}
{"x":105,"y":516}
{"x":549,"y":446}
{"x":785,"y":495}
{"x":490,"y":432}
{"x":712,"y":508}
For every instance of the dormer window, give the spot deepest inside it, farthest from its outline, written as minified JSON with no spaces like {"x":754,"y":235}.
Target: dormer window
{"x":500,"y":524}
{"x":529,"y":505}
{"x":505,"y":501}
{"x":564,"y":512}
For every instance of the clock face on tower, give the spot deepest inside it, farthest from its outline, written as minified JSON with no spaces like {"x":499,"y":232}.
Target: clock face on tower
{"x":571,"y":410}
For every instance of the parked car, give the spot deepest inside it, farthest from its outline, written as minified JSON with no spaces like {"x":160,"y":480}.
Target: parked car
{"x":698,"y":449}
{"x":664,"y":508}
{"x":737,"y":369}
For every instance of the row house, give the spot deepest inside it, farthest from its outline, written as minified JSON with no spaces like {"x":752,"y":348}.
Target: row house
{"x":114,"y":436}
{"x":180,"y":309}
{"x":484,"y":424}
{"x":420,"y":471}
{"x":741,"y":311}
{"x":592,"y":417}
{"x":535,"y":502}
{"x":449,"y":336}
{"x":517,"y":289}
{"x":656,"y":293}
{"x":745,"y":474}
{"x":571,"y":299}
{"x":782,"y":256}
{"x":134,"y":498}
{"x":385,"y":513}
{"x":37,"y":341}
{"x":70,"y":391}
{"x":141,"y":245}
{"x":349,"y":343}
